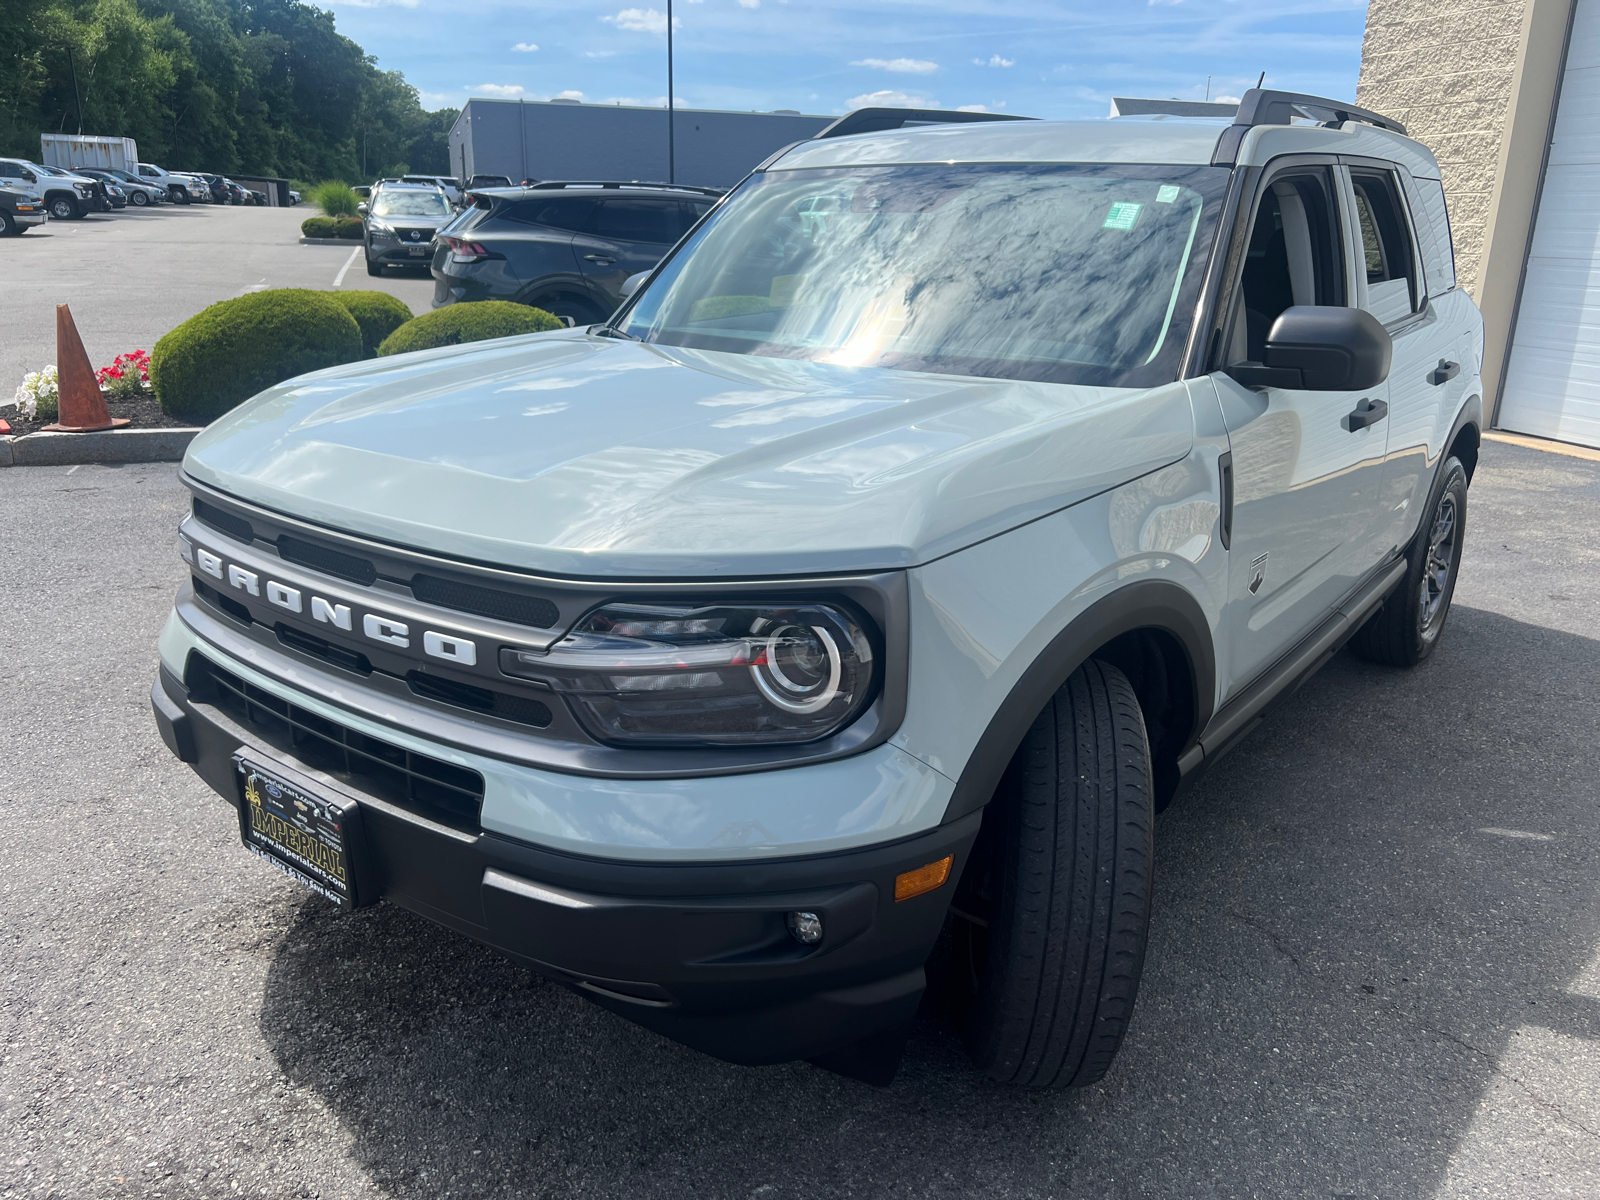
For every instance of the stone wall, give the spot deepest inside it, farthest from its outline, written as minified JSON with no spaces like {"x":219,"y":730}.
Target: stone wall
{"x":1444,"y":69}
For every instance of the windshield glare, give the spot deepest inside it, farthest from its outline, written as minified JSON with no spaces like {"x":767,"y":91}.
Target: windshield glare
{"x":1081,"y":273}
{"x":410,"y":204}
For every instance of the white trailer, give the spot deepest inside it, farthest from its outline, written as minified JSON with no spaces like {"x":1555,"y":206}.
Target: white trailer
{"x":71,"y":150}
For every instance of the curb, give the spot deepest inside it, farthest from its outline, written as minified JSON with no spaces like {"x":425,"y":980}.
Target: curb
{"x":346,"y":242}
{"x":107,"y":446}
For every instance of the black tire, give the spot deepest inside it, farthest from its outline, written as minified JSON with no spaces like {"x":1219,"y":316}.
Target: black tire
{"x":1406,"y":628}
{"x":63,"y":208}
{"x":8,"y":226}
{"x":138,"y":199}
{"x":180,"y":196}
{"x":1071,"y":912}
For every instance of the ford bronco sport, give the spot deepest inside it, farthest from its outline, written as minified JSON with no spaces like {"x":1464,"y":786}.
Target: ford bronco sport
{"x":942,"y":503}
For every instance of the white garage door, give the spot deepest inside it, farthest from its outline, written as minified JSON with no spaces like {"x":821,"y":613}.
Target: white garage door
{"x":1553,"y":383}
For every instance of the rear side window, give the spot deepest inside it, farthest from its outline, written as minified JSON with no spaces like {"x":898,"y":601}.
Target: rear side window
{"x":1392,"y":289}
{"x":1433,"y":233}
{"x":571,"y":213}
{"x":629,"y":219}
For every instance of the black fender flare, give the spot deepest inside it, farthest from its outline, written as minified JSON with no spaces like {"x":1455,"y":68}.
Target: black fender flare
{"x":1148,"y":604}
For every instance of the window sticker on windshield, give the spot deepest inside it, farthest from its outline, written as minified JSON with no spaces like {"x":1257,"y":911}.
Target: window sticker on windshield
{"x":783,"y":290}
{"x":1123,"y":215}
{"x":1167,"y":193}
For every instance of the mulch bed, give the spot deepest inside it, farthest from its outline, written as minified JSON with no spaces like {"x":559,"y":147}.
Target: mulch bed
{"x":144,"y":412}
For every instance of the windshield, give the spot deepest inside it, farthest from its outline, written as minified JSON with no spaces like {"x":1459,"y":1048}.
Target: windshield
{"x":410,"y":204}
{"x":1078,"y":273}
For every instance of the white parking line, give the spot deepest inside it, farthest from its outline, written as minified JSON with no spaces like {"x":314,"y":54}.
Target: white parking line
{"x":348,"y":263}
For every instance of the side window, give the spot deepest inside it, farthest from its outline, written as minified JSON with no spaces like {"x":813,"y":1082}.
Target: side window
{"x":639,"y":220}
{"x":1295,"y":256}
{"x":1433,"y":232}
{"x":10,"y":171}
{"x":1392,"y":285}
{"x":693,"y":210}
{"x":572,"y":213}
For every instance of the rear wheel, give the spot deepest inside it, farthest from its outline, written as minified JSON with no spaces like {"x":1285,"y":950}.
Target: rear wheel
{"x":1405,"y":630}
{"x":1058,"y":961}
{"x":581,"y":311}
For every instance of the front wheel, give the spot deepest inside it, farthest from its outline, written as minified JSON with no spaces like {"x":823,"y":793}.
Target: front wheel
{"x":64,"y":208}
{"x":8,"y":226}
{"x":1405,"y":630}
{"x":1069,"y":889}
{"x":138,"y":199}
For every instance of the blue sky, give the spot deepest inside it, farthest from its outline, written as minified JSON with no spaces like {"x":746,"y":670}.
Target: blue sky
{"x":1042,"y":59}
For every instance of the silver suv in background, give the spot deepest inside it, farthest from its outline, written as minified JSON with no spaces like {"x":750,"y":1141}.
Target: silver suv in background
{"x":854,"y":598}
{"x":183,"y":189}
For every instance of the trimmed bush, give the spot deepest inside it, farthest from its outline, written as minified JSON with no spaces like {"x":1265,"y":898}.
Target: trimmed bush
{"x":475,"y":322}
{"x":225,"y":354}
{"x":378,"y":313}
{"x":332,"y":227}
{"x":335,"y":197}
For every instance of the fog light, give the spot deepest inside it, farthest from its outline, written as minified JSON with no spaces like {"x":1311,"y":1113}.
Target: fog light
{"x":805,"y":928}
{"x":923,"y":879}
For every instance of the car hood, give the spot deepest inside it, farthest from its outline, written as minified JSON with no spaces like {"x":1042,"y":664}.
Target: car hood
{"x":569,"y":454}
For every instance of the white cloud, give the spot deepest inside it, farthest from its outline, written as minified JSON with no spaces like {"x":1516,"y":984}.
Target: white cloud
{"x":506,"y":91}
{"x":569,"y":94}
{"x":994,"y":60}
{"x":436,"y":99}
{"x":634,"y":102}
{"x":1227,"y":100}
{"x":599,"y":53}
{"x":889,"y":98}
{"x":742,"y":3}
{"x":642,"y":20}
{"x":906,"y":66}
{"x":972,"y":108}
{"x":525,"y":47}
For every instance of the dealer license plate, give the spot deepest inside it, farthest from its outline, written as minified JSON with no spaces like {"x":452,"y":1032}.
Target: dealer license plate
{"x":304,"y":835}
{"x":418,"y":251}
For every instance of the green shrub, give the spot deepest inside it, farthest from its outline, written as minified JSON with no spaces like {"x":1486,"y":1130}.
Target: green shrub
{"x":378,"y":313}
{"x":474,"y":322}
{"x":335,"y":197}
{"x":225,"y":354}
{"x":332,"y":227}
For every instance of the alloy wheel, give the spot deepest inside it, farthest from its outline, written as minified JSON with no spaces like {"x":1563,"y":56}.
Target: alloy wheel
{"x":1441,"y":561}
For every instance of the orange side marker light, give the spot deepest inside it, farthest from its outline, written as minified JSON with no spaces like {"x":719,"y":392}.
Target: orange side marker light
{"x":923,"y":879}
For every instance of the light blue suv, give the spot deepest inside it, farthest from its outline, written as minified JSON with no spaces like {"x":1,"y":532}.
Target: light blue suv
{"x":938,"y":508}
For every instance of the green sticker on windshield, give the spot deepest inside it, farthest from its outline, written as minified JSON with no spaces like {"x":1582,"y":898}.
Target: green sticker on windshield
{"x":1123,"y":215}
{"x":1167,"y":193}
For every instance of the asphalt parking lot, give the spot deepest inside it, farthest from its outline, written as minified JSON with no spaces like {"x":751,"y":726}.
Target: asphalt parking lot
{"x":131,"y":276}
{"x":1374,"y":969}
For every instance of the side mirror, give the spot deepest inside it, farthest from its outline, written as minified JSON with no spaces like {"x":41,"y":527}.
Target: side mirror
{"x":362,"y":208}
{"x":1318,"y":348}
{"x":630,"y":285}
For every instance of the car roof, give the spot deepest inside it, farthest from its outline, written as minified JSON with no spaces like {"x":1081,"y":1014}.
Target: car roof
{"x":1174,"y":140}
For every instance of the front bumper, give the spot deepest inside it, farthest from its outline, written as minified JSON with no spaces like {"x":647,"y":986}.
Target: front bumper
{"x":699,"y":952}
{"x":393,"y":254}
{"x":30,"y":219}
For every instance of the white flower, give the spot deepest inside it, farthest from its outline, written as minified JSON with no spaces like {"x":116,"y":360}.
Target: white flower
{"x":36,"y":386}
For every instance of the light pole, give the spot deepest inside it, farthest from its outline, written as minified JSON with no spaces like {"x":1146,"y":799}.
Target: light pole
{"x":672,"y":116}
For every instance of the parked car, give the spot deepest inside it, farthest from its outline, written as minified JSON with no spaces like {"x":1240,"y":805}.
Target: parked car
{"x":401,"y":219}
{"x":259,"y":199}
{"x":295,"y":198}
{"x":140,"y":194}
{"x":449,"y":185}
{"x":20,"y":211}
{"x":563,"y":247}
{"x":364,"y":191}
{"x":183,"y":189}
{"x":935,"y":512}
{"x":489,"y":181}
{"x":67,"y":197}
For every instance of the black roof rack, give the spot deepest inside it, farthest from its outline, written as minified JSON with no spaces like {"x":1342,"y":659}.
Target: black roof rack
{"x":1265,"y":107}
{"x":875,"y":120}
{"x":540,"y":185}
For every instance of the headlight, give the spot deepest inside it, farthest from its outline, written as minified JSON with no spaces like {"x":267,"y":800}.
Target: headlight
{"x":376,"y":226}
{"x":84,"y":189}
{"x":709,"y":674}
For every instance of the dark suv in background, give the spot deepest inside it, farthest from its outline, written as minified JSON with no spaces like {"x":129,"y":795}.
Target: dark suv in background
{"x":402,"y":219}
{"x":564,"y":247}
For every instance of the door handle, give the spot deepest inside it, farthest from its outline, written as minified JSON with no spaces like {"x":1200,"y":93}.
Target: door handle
{"x":1368,"y":412}
{"x":1444,"y":372}
{"x":602,"y":259}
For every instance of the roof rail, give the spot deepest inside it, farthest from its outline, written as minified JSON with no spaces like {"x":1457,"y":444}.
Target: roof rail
{"x":1265,"y":107}
{"x":874,"y":120}
{"x":540,"y":185}
{"x":1132,"y":106}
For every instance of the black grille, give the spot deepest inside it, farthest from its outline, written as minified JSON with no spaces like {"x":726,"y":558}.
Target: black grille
{"x":226,"y":603}
{"x":330,"y":562}
{"x":521,"y":709}
{"x":310,"y":643}
{"x":223,"y":522}
{"x":485,"y":602}
{"x":438,"y":790}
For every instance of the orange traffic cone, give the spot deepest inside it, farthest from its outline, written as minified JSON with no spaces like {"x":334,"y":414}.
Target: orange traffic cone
{"x":83,"y":408}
